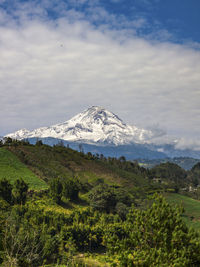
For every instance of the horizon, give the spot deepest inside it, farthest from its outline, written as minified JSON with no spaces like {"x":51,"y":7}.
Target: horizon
{"x":137,"y":59}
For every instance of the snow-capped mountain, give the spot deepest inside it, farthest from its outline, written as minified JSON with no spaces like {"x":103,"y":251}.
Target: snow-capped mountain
{"x":95,"y":125}
{"x":103,"y":132}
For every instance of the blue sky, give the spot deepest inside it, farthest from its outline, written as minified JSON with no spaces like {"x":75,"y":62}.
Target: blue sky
{"x":139,"y":59}
{"x":180,"y":18}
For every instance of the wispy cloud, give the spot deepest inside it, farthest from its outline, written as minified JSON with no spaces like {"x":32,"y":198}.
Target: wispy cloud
{"x":188,"y":143}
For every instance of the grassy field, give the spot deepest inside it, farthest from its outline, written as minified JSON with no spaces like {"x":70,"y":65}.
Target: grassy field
{"x":191,"y":207}
{"x":11,"y":168}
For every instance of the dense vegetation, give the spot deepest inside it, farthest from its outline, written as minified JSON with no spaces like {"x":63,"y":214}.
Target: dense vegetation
{"x":94,"y":211}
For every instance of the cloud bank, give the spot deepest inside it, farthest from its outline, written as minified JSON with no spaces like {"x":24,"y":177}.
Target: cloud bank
{"x":54,"y":66}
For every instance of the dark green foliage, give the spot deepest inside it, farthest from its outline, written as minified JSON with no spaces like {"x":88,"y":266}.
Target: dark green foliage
{"x":19,"y":191}
{"x":169,"y":175}
{"x":4,"y":209}
{"x":39,"y":143}
{"x":110,"y":199}
{"x":124,"y":196}
{"x":16,"y":194}
{"x":103,"y":198}
{"x":6,"y":190}
{"x":196,"y":168}
{"x":67,"y":188}
{"x":8,"y":140}
{"x":121,"y":209}
{"x":56,"y":189}
{"x":50,"y":239}
{"x":194,"y":175}
{"x":71,"y":188}
{"x":169,"y":171}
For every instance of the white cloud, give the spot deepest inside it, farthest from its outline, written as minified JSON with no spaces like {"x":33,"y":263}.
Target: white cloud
{"x":188,"y":143}
{"x":50,"y":70}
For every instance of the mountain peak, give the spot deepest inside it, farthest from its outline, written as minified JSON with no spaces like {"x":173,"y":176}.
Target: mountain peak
{"x":99,"y":114}
{"x":96,"y":108}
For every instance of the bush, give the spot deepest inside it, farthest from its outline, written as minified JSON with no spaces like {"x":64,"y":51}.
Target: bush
{"x":68,"y":188}
{"x":6,"y":190}
{"x":19,"y":192}
{"x":56,"y":188}
{"x":71,"y":188}
{"x":102,"y":198}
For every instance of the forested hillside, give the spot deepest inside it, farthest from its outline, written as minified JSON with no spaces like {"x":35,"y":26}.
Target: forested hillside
{"x":91,"y":211}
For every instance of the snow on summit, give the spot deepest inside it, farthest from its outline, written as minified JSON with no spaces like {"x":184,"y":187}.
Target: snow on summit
{"x":94,"y":125}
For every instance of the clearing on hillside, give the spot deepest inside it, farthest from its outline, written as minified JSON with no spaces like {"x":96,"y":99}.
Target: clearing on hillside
{"x":191,"y":207}
{"x":11,"y":168}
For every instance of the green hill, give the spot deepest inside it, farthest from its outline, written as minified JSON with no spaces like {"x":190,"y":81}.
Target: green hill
{"x":191,"y":207}
{"x":12,"y":168}
{"x":184,"y":162}
{"x":51,"y":162}
{"x":169,"y":171}
{"x":194,"y":174}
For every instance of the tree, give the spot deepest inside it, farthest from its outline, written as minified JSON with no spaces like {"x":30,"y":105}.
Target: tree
{"x":56,"y":188}
{"x":121,"y":209}
{"x":169,"y":171}
{"x":39,"y":143}
{"x":19,"y":192}
{"x":60,"y":143}
{"x":21,"y":244}
{"x":71,"y":188}
{"x":8,"y":140}
{"x":6,"y":190}
{"x":154,"y":237}
{"x":102,"y":197}
{"x":122,"y":159}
